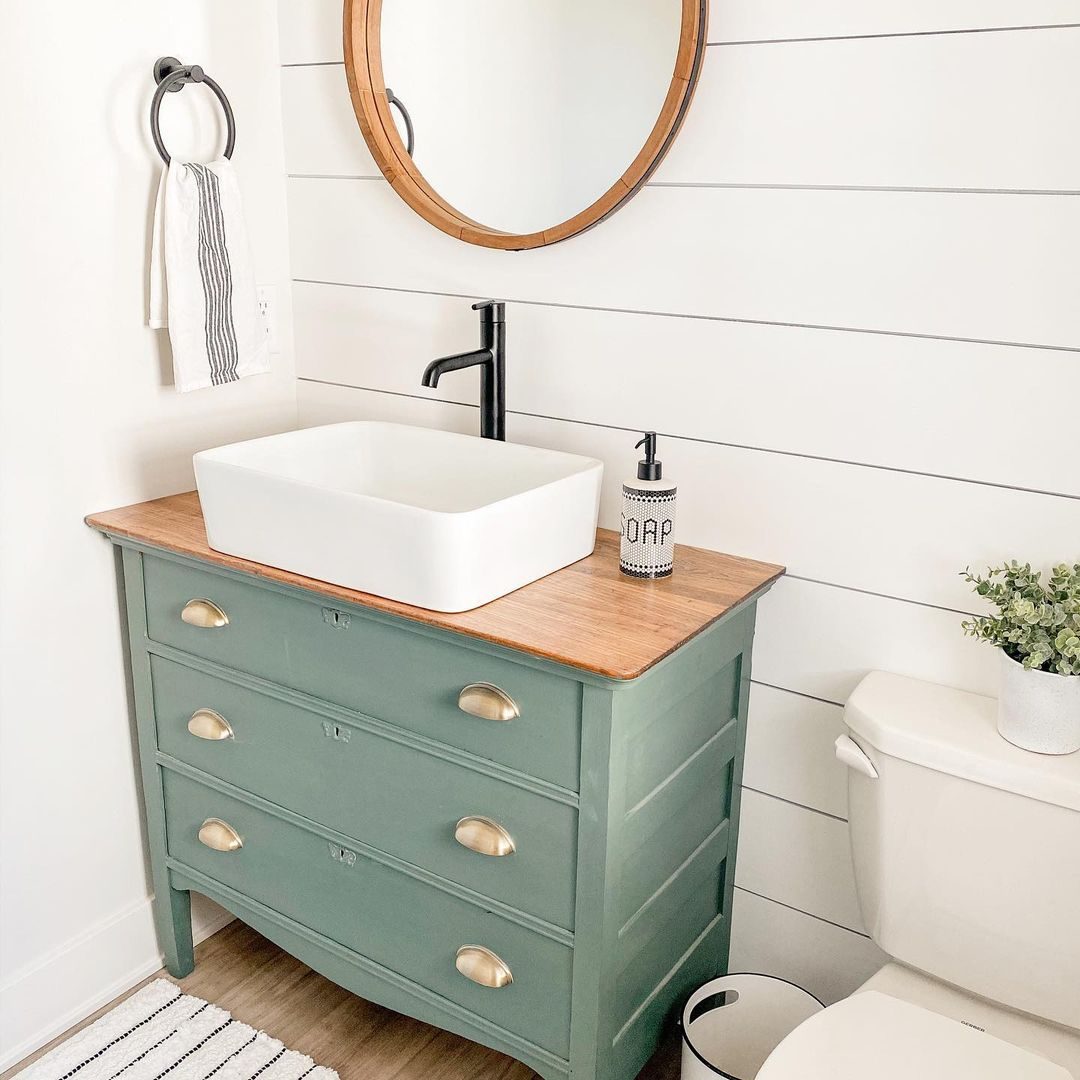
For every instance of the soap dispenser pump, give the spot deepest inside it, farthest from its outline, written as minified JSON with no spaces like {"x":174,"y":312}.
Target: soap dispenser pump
{"x":647,"y":531}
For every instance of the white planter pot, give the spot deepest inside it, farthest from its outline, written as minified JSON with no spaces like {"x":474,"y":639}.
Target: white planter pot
{"x":1039,"y":710}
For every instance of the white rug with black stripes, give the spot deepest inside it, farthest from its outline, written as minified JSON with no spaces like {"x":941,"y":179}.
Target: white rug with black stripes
{"x":162,"y":1033}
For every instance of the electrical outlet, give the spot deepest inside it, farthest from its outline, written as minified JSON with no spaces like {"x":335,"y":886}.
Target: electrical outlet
{"x":266,"y":301}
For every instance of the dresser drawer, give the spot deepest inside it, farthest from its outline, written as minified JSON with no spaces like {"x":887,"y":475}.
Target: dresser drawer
{"x":394,"y":919}
{"x":389,"y":795}
{"x":395,"y":674}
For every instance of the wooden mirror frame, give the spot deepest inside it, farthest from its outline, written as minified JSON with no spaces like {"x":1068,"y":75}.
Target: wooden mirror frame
{"x":367,"y":88}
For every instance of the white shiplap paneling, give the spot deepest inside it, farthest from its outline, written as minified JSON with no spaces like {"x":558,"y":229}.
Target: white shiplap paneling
{"x":788,"y":116}
{"x":311,"y":29}
{"x":990,"y":267}
{"x":780,"y":20}
{"x":719,"y":303}
{"x":322,"y":136}
{"x":821,"y":640}
{"x":909,"y":403}
{"x":773,"y":938}
{"x":802,"y":856}
{"x":789,"y":749}
{"x":929,"y":111}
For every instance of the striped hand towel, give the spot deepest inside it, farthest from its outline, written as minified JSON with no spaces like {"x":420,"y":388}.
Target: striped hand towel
{"x":202,"y":286}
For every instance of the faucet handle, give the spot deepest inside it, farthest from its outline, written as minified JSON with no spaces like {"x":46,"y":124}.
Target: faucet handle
{"x":493,"y":310}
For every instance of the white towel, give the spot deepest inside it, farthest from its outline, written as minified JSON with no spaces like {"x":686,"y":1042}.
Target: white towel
{"x":202,"y":286}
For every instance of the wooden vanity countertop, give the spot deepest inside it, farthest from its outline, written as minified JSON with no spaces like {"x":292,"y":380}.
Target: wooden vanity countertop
{"x":587,"y":615}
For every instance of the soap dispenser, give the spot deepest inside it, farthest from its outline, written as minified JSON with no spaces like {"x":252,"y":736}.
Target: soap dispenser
{"x":647,"y":532}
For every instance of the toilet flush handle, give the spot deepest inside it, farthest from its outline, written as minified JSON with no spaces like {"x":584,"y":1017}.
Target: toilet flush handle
{"x":854,"y":757}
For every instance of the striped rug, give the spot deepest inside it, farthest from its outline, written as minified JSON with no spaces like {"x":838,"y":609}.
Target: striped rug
{"x":160,"y":1032}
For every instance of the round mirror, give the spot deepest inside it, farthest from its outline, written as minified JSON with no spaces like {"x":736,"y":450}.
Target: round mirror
{"x":518,"y":123}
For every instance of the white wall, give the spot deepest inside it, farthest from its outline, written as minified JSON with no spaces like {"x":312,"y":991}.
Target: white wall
{"x":88,"y":420}
{"x":834,"y":301}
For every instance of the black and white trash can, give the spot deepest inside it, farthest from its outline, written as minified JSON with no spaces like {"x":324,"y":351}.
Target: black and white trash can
{"x":732,"y":1024}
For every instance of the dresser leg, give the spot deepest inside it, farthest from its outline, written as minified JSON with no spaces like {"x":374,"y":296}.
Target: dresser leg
{"x":172,"y":917}
{"x":172,"y":907}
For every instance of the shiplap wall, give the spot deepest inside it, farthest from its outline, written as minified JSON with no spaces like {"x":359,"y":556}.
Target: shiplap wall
{"x":848,"y":301}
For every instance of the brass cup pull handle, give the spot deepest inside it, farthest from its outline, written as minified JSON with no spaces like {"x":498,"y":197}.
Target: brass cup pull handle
{"x":204,"y":613}
{"x":484,"y":836}
{"x":219,"y":835}
{"x":483,"y":967}
{"x":207,"y":724}
{"x":487,"y":702}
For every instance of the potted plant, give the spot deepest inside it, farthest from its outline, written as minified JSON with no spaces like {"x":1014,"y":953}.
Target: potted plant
{"x":1037,"y":629}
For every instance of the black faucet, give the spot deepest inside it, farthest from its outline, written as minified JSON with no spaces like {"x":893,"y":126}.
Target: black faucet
{"x":491,"y":356}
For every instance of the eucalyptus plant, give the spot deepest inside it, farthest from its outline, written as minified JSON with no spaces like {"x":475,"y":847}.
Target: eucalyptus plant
{"x":1037,"y":623}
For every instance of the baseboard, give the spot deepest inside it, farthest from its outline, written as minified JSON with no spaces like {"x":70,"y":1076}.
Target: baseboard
{"x":78,"y":977}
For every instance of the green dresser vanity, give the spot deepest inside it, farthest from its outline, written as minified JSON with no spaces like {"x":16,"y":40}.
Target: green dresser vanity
{"x":517,"y":823}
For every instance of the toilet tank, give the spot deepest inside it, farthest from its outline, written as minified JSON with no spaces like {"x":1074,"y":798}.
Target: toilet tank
{"x":966,"y":848}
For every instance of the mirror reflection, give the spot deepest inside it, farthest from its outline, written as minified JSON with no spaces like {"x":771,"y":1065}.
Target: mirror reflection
{"x":525,"y":112}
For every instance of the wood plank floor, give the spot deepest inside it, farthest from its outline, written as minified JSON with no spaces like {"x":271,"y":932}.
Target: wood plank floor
{"x":269,"y":989}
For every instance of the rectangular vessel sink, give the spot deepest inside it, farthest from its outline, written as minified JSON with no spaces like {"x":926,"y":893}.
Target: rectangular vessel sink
{"x":430,"y":518}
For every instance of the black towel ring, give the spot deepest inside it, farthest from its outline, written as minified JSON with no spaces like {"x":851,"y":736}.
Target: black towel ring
{"x":171,"y":75}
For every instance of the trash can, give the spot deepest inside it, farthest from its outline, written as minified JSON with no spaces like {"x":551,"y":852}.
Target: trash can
{"x":731,"y":1025}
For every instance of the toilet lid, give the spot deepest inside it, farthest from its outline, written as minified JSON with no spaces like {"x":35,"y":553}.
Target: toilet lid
{"x":875,"y":1035}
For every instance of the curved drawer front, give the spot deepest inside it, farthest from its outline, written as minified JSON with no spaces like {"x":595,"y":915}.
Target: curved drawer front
{"x":389,"y":795}
{"x":390,"y":917}
{"x":346,"y":657}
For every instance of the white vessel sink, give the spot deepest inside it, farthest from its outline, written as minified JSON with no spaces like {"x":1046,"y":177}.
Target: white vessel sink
{"x":430,"y":518}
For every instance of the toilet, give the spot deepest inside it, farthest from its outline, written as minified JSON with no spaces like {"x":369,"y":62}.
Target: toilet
{"x":967,"y":865}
